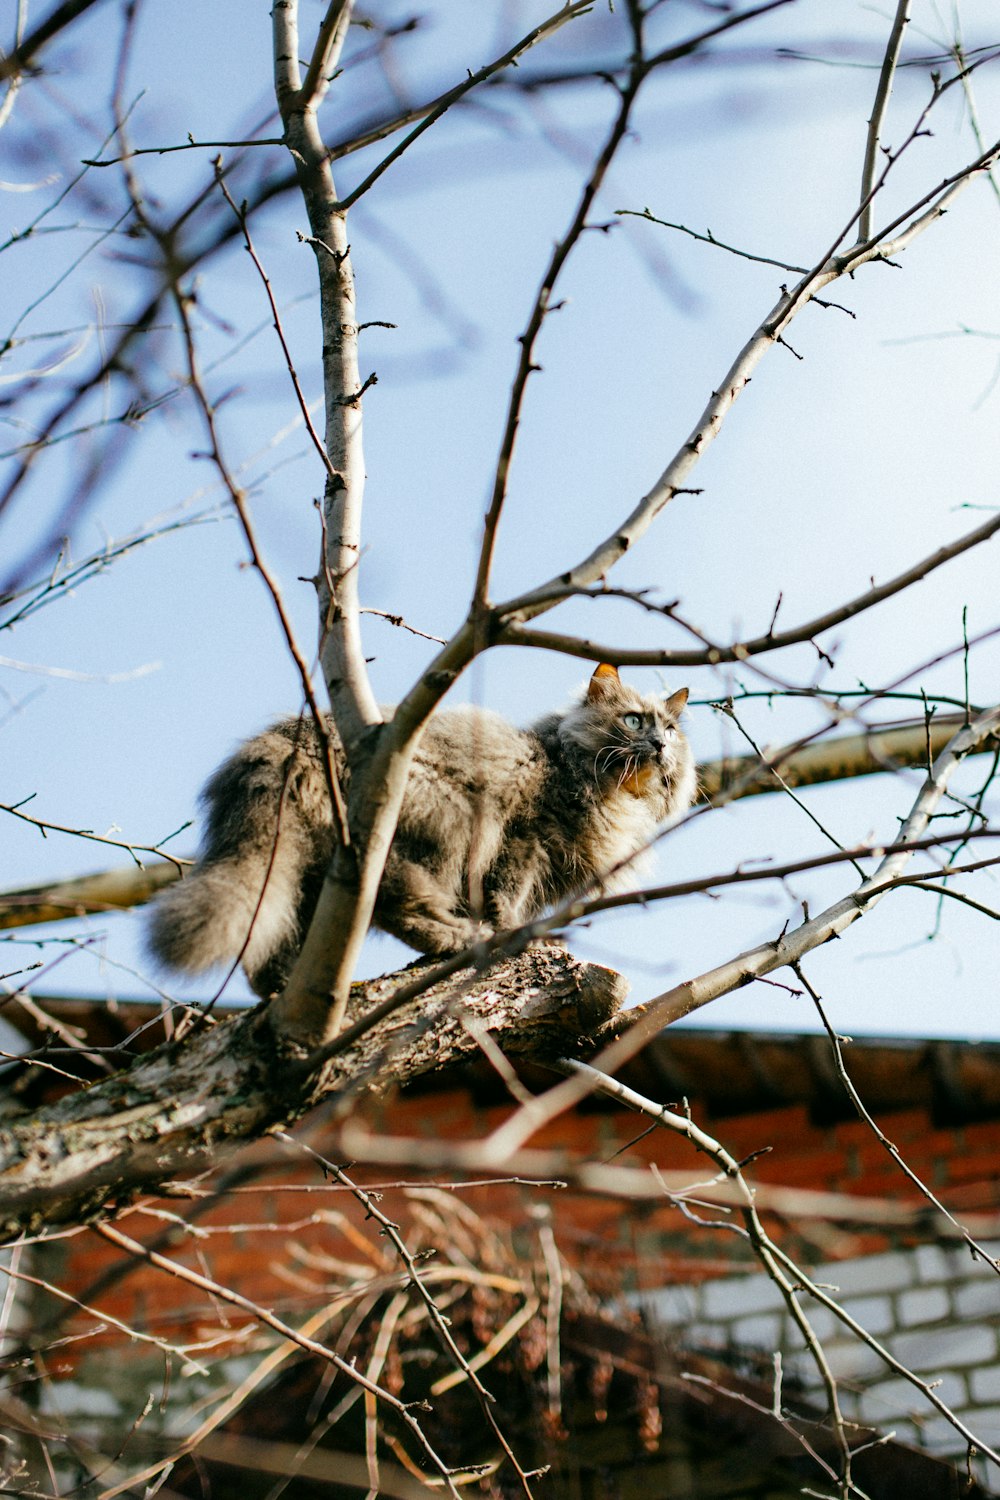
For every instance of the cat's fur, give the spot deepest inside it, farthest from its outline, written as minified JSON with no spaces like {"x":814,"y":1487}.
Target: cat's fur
{"x":497,"y":823}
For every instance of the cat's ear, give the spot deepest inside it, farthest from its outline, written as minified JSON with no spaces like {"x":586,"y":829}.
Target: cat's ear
{"x":674,"y":705}
{"x":603,"y":682}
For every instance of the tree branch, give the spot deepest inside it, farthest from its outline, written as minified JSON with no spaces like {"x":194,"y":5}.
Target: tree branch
{"x":174,"y":1110}
{"x":311,"y":1008}
{"x":218,"y":1291}
{"x":714,"y":655}
{"x":770,"y":331}
{"x":22,"y":56}
{"x":878,"y":115}
{"x":313,"y":1003}
{"x":434,"y":111}
{"x":341,"y":653}
{"x":108,"y":890}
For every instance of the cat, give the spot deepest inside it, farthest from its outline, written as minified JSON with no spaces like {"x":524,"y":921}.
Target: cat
{"x":497,"y":824}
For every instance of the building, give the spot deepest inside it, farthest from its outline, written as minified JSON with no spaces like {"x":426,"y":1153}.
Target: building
{"x":630,"y":1336}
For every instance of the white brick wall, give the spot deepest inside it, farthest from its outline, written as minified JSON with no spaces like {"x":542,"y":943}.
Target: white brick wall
{"x":936,"y":1310}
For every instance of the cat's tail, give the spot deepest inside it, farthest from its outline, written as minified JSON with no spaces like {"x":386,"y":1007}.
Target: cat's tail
{"x":242,"y":901}
{"x":226,"y":911}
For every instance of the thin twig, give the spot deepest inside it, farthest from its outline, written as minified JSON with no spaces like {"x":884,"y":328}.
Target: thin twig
{"x":264,"y":1315}
{"x":763,"y":1246}
{"x":438,"y":1321}
{"x":787,"y":789}
{"x":713,"y":653}
{"x":830,"y":267}
{"x":709,"y":239}
{"x":189,"y":145}
{"x":15,"y":809}
{"x":540,"y":310}
{"x":384,"y":614}
{"x":566,"y":13}
{"x":979,"y":1253}
{"x":240,"y":212}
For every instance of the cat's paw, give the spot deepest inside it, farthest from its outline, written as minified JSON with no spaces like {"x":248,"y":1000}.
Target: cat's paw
{"x":475,"y":932}
{"x":460,"y":934}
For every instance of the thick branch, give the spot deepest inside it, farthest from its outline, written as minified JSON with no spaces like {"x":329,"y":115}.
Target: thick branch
{"x":314,"y":1001}
{"x":841,"y":758}
{"x":109,"y":890}
{"x":174,"y":1110}
{"x":341,"y":652}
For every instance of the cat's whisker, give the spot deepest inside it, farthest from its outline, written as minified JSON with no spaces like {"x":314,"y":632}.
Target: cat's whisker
{"x":629,"y":769}
{"x":605,"y":756}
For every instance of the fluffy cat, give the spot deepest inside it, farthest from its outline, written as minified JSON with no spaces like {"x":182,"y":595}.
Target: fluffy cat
{"x":497,"y":823}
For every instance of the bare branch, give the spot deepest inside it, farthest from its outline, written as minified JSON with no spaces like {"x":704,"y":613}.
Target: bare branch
{"x":743,"y":876}
{"x":568,"y":12}
{"x":541,"y":308}
{"x":23,"y":55}
{"x":111,"y":890}
{"x":341,"y":653}
{"x":15,"y":810}
{"x":864,"y":1114}
{"x":189,"y":145}
{"x":239,"y":501}
{"x":832,"y":266}
{"x":639,"y":70}
{"x":397,"y":620}
{"x":314,"y":1000}
{"x":241,"y":218}
{"x":325,"y":55}
{"x":418,"y":1282}
{"x":766,"y":1251}
{"x":714,"y":655}
{"x":878,"y":115}
{"x":709,"y":239}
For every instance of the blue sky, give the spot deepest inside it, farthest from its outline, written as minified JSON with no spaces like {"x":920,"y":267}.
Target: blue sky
{"x":865,"y":454}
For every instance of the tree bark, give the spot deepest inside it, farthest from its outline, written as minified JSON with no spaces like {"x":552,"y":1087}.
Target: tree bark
{"x":175,"y":1110}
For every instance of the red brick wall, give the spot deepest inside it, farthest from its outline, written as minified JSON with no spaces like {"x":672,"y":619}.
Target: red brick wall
{"x":270,"y":1237}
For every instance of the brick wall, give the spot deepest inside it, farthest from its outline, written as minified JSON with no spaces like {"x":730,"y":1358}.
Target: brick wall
{"x":934,"y":1307}
{"x":257,"y":1239}
{"x":936,"y":1310}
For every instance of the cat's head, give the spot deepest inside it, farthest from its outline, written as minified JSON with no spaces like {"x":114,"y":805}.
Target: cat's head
{"x":634,"y":740}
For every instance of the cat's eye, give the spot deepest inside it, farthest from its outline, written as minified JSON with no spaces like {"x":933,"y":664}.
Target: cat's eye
{"x":632,"y":721}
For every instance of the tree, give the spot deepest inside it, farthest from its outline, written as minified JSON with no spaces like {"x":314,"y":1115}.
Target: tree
{"x":590,"y":87}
